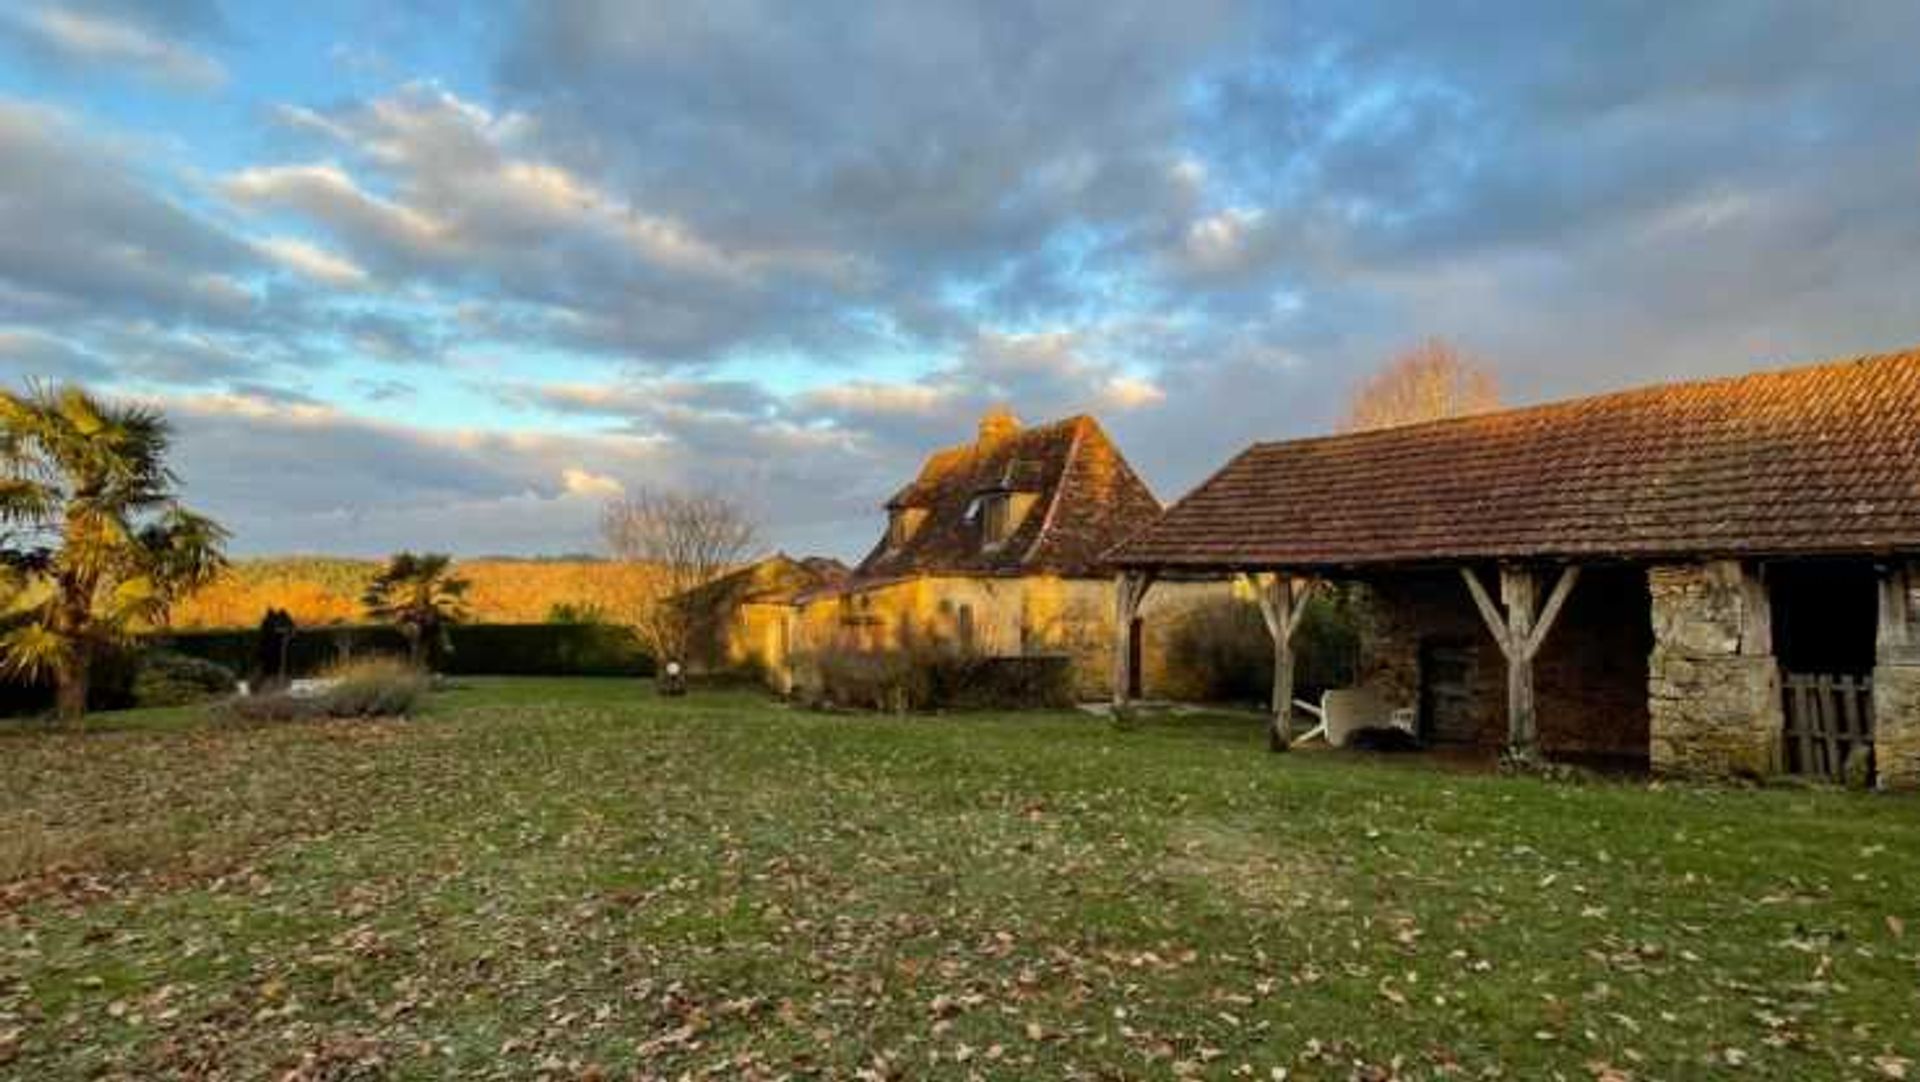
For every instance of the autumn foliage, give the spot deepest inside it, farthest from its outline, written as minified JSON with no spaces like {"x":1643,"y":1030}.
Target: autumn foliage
{"x":320,"y":591}
{"x":1430,"y":382}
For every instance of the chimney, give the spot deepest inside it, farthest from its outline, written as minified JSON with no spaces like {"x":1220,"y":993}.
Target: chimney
{"x":997,"y":424}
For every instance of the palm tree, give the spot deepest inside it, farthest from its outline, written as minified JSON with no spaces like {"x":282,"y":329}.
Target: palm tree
{"x":94,"y":545}
{"x":420,"y":596}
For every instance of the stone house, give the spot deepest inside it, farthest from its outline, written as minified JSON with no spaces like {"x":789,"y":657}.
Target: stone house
{"x":995,"y":546}
{"x":743,"y":621}
{"x":1716,"y":578}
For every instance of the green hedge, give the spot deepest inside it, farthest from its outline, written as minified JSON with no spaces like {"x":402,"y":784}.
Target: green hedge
{"x":478,"y":649}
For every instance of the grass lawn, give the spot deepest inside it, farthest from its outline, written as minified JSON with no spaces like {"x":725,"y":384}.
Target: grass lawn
{"x":574,"y":879}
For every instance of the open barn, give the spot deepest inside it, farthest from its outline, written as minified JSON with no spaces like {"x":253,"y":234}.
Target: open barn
{"x":1710,"y":578}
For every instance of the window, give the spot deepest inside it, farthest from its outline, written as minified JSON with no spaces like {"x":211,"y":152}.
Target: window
{"x":995,"y":522}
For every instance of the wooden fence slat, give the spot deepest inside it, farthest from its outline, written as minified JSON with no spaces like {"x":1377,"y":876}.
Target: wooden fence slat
{"x":1800,"y":711}
{"x":1829,"y":726}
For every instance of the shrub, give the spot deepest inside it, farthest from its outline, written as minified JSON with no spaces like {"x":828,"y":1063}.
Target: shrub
{"x":377,"y":688}
{"x":371,"y":688}
{"x":932,"y":677}
{"x":169,"y":679}
{"x":1221,"y":651}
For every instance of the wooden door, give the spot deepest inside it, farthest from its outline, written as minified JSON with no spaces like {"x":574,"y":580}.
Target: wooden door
{"x":1446,"y":693}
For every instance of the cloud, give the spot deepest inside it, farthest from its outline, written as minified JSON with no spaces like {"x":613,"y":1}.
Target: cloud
{"x":431,"y":189}
{"x":118,"y":41}
{"x":81,"y":234}
{"x":314,"y":262}
{"x":751,"y":245}
{"x":33,"y":355}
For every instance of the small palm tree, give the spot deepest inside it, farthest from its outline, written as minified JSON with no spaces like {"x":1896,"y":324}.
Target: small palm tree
{"x":94,"y":545}
{"x":419,"y":595}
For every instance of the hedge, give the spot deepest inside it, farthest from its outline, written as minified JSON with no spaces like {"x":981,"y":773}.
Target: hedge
{"x":478,"y":649}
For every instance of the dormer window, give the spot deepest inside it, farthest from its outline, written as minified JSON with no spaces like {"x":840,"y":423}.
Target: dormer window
{"x":996,"y":518}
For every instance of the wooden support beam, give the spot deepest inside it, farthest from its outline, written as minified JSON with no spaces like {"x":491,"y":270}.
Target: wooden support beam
{"x":1283,"y":601}
{"x":1129,"y":590}
{"x":1520,"y":631}
{"x":1896,"y":641}
{"x":1756,"y":613}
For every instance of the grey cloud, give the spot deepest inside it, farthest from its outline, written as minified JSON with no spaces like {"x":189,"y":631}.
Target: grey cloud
{"x":82,"y":236}
{"x":27,"y":355}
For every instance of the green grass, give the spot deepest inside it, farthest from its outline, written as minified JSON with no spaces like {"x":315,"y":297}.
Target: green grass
{"x":576,"y":879}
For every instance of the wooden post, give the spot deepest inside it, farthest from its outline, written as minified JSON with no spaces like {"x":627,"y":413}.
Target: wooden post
{"x":1895,"y":642}
{"x":1282,"y":604}
{"x":1129,"y":590}
{"x":1520,"y":632}
{"x":1517,"y":593}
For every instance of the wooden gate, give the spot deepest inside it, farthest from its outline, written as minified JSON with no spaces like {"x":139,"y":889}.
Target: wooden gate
{"x":1829,"y":724}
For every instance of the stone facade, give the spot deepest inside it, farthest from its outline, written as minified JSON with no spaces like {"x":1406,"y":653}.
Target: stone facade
{"x":1896,"y":680}
{"x":1590,"y":677}
{"x":1713,"y":683}
{"x":1005,"y":616}
{"x":1896,"y":712}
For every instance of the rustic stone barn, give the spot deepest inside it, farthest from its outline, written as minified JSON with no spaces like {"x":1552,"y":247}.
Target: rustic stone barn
{"x":1717,"y":578}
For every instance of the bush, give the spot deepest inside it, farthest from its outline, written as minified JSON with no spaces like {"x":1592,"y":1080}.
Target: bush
{"x":938,"y":677}
{"x":1222,"y":653}
{"x":169,"y":679}
{"x":379,"y":688}
{"x":371,"y":688}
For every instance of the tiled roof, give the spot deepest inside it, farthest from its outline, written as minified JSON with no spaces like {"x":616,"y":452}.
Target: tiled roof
{"x":1087,"y":500}
{"x":1820,"y":460}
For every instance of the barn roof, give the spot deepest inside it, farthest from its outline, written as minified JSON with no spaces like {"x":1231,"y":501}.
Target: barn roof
{"x":1087,"y":500}
{"x":1807,"y":461}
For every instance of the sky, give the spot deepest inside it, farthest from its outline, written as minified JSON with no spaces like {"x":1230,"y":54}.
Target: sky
{"x":443,"y":275}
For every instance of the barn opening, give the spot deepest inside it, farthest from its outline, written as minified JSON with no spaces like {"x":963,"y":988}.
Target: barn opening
{"x":1825,"y":618}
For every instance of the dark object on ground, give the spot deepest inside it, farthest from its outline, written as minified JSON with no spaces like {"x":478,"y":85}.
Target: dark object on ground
{"x":1383,"y":739}
{"x":272,"y":651}
{"x":673,"y":680}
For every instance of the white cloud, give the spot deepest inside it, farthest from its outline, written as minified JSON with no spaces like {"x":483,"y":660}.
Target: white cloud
{"x":99,"y":39}
{"x":314,"y":262}
{"x":580,"y":482}
{"x":868,"y":397}
{"x":325,"y":192}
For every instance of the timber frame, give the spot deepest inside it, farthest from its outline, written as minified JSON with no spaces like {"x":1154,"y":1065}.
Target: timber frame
{"x":1520,"y":632}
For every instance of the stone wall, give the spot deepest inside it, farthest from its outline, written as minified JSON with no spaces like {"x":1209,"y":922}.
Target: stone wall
{"x":1399,"y":615}
{"x":1590,"y":679}
{"x":1713,"y":683}
{"x":1896,"y":720}
{"x":1896,"y":680}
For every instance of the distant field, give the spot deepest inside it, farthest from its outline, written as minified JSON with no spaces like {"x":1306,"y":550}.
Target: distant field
{"x":574,"y":879}
{"x":318,"y":590}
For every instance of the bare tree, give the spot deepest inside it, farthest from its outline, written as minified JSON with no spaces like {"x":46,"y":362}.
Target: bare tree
{"x":1429,"y":382}
{"x":685,"y":540}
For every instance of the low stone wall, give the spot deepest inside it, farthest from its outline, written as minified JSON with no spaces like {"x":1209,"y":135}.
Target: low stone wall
{"x":1896,"y":720}
{"x":1713,"y":685}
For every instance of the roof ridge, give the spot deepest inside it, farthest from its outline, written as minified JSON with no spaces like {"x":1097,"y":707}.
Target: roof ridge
{"x":1556,"y":405}
{"x":1079,"y":422}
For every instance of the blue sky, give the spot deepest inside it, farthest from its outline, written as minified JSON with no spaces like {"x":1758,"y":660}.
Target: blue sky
{"x":450,"y":275}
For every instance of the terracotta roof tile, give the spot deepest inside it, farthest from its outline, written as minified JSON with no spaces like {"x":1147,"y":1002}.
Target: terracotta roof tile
{"x":1088,"y":499}
{"x":1805,"y":461}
